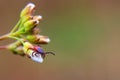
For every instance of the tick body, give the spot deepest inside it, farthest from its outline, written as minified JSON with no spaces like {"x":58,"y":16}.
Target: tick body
{"x":39,"y":50}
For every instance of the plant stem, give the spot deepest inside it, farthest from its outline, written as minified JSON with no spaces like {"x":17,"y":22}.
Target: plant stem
{"x":16,"y":38}
{"x":3,"y":47}
{"x":12,"y":37}
{"x":16,"y":26}
{"x":4,"y":36}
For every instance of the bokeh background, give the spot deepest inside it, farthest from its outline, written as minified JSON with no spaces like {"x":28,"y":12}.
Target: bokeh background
{"x":85,"y":35}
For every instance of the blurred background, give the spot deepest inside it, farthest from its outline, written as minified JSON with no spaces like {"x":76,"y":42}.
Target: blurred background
{"x":84,"y":35}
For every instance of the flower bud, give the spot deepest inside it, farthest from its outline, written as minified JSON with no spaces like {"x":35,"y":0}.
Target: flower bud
{"x":14,"y":45}
{"x":43,"y":39}
{"x":29,"y":25}
{"x":36,"y":30}
{"x":26,"y":28}
{"x":28,"y":10}
{"x":38,"y":39}
{"x":19,"y":51}
{"x":25,"y":19}
{"x":16,"y":48}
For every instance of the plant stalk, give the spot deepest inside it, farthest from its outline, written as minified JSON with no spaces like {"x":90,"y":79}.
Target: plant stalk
{"x":16,"y":26}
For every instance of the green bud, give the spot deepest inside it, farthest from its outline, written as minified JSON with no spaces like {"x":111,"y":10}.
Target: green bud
{"x":14,"y":45}
{"x":29,"y":25}
{"x":19,"y":51}
{"x":27,"y":28}
{"x":25,"y":19}
{"x":16,"y":48}
{"x":28,"y":10}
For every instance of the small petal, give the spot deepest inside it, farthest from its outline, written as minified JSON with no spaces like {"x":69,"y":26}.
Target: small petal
{"x":37,"y":59}
{"x":37,"y":17}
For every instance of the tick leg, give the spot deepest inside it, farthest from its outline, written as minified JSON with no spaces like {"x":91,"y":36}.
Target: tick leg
{"x":50,"y":53}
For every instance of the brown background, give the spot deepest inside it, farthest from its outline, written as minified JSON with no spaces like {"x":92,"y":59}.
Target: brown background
{"x":85,"y":35}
